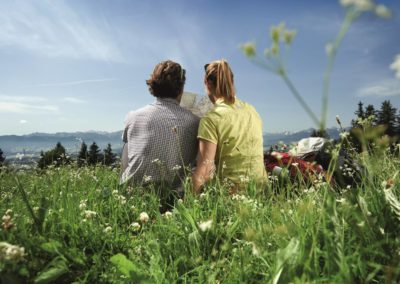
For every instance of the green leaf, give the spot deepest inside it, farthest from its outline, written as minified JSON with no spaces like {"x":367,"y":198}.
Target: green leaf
{"x":55,"y":270}
{"x":124,"y":265}
{"x":51,"y":246}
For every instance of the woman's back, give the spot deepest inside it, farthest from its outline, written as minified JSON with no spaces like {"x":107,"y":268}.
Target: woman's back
{"x":236,"y":129}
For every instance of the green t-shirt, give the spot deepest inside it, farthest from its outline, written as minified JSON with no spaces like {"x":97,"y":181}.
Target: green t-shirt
{"x":237,"y":131}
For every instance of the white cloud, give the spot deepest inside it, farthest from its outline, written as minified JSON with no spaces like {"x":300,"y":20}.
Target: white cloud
{"x":24,"y":99}
{"x":52,"y":28}
{"x":73,"y":100}
{"x":23,"y":121}
{"x":15,"y":107}
{"x":73,"y":83}
{"x":386,"y":88}
{"x":24,"y":104}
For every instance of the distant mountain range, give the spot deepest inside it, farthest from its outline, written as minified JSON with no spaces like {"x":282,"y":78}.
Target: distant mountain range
{"x":36,"y":142}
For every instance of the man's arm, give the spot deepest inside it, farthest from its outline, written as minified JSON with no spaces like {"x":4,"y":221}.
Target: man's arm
{"x":205,"y":164}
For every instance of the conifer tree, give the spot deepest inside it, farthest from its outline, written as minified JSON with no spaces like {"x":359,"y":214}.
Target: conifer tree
{"x":109,"y":157}
{"x":370,"y":111}
{"x":359,"y":113}
{"x":93,"y":154}
{"x":387,"y":117}
{"x":2,"y":158}
{"x":82,"y":155}
{"x":56,"y":156}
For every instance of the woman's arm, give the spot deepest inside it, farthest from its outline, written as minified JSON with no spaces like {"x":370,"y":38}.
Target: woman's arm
{"x":205,"y":164}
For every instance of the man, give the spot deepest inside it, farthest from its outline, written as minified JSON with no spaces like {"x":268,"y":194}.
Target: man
{"x":160,"y":138}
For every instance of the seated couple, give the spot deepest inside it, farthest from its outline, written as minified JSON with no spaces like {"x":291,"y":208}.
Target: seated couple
{"x":163,"y":139}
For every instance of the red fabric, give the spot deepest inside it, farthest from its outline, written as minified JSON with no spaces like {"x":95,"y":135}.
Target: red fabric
{"x":295,"y":165}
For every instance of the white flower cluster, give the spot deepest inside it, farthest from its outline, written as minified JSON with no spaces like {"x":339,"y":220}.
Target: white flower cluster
{"x":367,"y":6}
{"x":119,"y":197}
{"x":7,"y":223}
{"x":144,"y":217}
{"x":205,"y":226}
{"x":82,"y":204}
{"x":11,"y":253}
{"x":248,"y":201}
{"x":90,"y":214}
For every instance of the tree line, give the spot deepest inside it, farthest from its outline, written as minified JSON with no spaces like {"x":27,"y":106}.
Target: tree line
{"x":86,"y":157}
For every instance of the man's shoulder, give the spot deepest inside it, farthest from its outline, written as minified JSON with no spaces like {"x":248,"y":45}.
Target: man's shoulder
{"x":133,"y":114}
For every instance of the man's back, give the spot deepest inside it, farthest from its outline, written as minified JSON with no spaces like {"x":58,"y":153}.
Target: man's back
{"x":161,"y":141}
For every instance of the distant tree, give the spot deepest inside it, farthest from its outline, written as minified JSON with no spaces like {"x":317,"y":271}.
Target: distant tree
{"x":359,"y":113}
{"x":56,"y":156}
{"x":370,"y":111}
{"x":82,"y":158}
{"x":319,"y":133}
{"x":2,"y":158}
{"x":387,"y":117}
{"x":109,"y":157}
{"x":93,"y":154}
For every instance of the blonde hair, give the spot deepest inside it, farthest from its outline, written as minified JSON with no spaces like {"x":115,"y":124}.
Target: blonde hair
{"x":220,"y":75}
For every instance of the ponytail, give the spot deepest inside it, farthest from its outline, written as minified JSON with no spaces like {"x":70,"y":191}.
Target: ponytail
{"x":221,"y":77}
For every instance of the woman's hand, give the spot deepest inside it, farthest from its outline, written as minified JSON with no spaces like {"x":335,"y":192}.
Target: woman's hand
{"x":205,"y":164}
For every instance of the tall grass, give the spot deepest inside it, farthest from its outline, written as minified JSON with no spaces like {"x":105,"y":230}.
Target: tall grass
{"x":282,"y":233}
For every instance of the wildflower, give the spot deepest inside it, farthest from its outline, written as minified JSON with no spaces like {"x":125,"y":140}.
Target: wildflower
{"x":361,"y":224}
{"x":144,"y":217}
{"x":249,"y":49}
{"x":107,"y":229}
{"x":382,"y":11}
{"x":288,"y":36}
{"x":361,"y":5}
{"x":121,"y":199}
{"x":11,"y":252}
{"x":244,"y":179}
{"x":82,"y":205}
{"x":90,"y":214}
{"x":329,"y":48}
{"x":344,"y":135}
{"x":382,"y":230}
{"x":133,"y":208}
{"x":115,"y":192}
{"x":276,"y":31}
{"x":254,"y":250}
{"x":168,"y":214}
{"x":203,"y":195}
{"x":396,"y":66}
{"x":9,"y":212}
{"x":135,"y":226}
{"x":290,"y":212}
{"x":206,"y":225}
{"x":176,"y":168}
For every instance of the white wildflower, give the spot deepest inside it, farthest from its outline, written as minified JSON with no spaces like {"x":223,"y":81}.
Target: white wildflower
{"x":383,"y":11}
{"x":135,"y":226}
{"x":344,"y":135}
{"x":168,"y":214}
{"x":361,"y":5}
{"x":90,"y":214}
{"x":8,"y":212}
{"x":396,"y":66}
{"x":361,"y":224}
{"x":107,"y":229}
{"x":115,"y":192}
{"x":144,"y":217}
{"x":11,"y":252}
{"x":329,"y":48}
{"x":147,"y":178}
{"x":82,"y":205}
{"x":203,"y":195}
{"x":254,"y":250}
{"x":382,"y":230}
{"x":176,"y":168}
{"x":206,"y":225}
{"x":133,"y":208}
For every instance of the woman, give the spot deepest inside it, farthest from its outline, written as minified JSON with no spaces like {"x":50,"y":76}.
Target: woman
{"x":230,"y":135}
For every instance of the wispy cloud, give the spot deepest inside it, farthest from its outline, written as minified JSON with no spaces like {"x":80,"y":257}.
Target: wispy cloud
{"x":73,"y":83}
{"x":23,"y":121}
{"x":23,"y":99}
{"x":23,"y":104}
{"x":73,"y":100}
{"x":52,"y":28}
{"x":386,"y":88}
{"x":26,"y":108}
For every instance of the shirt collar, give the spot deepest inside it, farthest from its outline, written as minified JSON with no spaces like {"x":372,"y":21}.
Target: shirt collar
{"x":167,"y":100}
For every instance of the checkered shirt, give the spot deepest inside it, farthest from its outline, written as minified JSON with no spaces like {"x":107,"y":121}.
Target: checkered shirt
{"x":161,"y":139}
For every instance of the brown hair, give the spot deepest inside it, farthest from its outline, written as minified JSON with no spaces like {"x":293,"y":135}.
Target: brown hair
{"x":167,"y":80}
{"x":220,"y":75}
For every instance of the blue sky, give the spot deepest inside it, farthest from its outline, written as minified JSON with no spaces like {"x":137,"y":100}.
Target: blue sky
{"x":82,"y":65}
